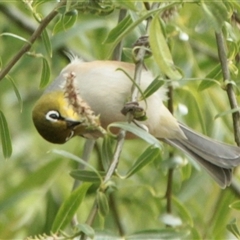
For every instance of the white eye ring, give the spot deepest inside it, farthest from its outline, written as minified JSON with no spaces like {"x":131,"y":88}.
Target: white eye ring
{"x":53,"y":116}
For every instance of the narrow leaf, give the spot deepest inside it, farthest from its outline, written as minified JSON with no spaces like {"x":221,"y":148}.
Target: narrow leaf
{"x":69,"y":207}
{"x":118,"y":30}
{"x":211,"y":78}
{"x":137,"y":131}
{"x":215,"y":14}
{"x":77,"y":159}
{"x":150,"y":154}
{"x":193,"y":104}
{"x":102,"y":203}
{"x":165,"y":234}
{"x":235,"y":205}
{"x":233,"y":228}
{"x":132,"y":80}
{"x":15,"y":36}
{"x":183,"y":212}
{"x":47,"y":43}
{"x":107,"y":151}
{"x":45,"y":77}
{"x":230,"y":111}
{"x":39,"y":2}
{"x":5,"y":137}
{"x":87,"y":176}
{"x":17,"y":93}
{"x":69,"y":19}
{"x":160,"y":50}
{"x":130,"y":28}
{"x":66,"y":21}
{"x":86,"y":229}
{"x":152,"y":88}
{"x":195,"y":234}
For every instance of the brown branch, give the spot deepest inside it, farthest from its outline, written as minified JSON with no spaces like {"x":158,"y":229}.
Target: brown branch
{"x":168,"y":194}
{"x":115,"y":212}
{"x":230,"y":92}
{"x":32,"y":39}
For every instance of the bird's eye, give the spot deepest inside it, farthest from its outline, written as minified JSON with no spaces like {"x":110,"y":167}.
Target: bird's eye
{"x":53,"y":116}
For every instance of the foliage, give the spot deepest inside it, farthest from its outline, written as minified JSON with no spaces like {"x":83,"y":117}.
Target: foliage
{"x":137,"y":200}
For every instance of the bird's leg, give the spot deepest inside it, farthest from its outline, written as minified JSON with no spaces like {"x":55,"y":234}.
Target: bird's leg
{"x":137,"y":112}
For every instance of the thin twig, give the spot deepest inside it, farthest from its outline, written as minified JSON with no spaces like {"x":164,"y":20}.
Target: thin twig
{"x":32,"y":39}
{"x":168,"y":193}
{"x":230,"y":92}
{"x":114,"y":208}
{"x":93,"y":212}
{"x":118,"y":150}
{"x":121,"y":135}
{"x":117,"y":53}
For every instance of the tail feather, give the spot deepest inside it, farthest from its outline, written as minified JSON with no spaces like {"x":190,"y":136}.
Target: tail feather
{"x":216,"y":158}
{"x":222,"y":176}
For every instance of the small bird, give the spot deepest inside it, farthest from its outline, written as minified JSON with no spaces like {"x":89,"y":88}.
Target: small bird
{"x":105,"y":90}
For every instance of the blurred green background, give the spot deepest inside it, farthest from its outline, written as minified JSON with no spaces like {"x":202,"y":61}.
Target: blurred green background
{"x":35,"y":181}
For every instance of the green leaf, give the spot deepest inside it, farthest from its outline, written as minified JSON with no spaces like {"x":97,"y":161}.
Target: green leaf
{"x":218,"y":222}
{"x":47,"y":43}
{"x":230,"y":111}
{"x":132,"y":80}
{"x":15,"y":36}
{"x":152,"y":88}
{"x":69,"y":207}
{"x":233,"y":228}
{"x":149,"y":155}
{"x":186,"y":171}
{"x":102,"y":203}
{"x":233,"y":49}
{"x":215,"y":14}
{"x":39,"y":2}
{"x":86,"y":229}
{"x":137,"y":131}
{"x":107,"y":151}
{"x":17,"y":93}
{"x":195,"y":234}
{"x":46,"y":72}
{"x":160,"y":50}
{"x":193,"y":104}
{"x":87,"y":176}
{"x":235,"y":205}
{"x":165,"y":234}
{"x":77,"y":159}
{"x":66,"y":21}
{"x":118,"y":30}
{"x":233,"y":68}
{"x":130,"y":28}
{"x":183,"y":212}
{"x":5,"y":137}
{"x":209,"y":80}
{"x":104,"y":234}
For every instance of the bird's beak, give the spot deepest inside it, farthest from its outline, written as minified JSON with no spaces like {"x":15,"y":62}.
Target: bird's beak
{"x":72,"y":123}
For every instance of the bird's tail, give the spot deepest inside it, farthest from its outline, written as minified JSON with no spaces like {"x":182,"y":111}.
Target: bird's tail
{"x":216,"y":158}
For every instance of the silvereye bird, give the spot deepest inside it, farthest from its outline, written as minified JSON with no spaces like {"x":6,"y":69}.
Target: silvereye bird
{"x":106,"y":89}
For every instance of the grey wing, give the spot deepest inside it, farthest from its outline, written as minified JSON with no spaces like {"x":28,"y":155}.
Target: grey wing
{"x":215,"y":157}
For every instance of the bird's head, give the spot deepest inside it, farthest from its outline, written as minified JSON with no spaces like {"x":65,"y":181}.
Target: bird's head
{"x":55,"y":119}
